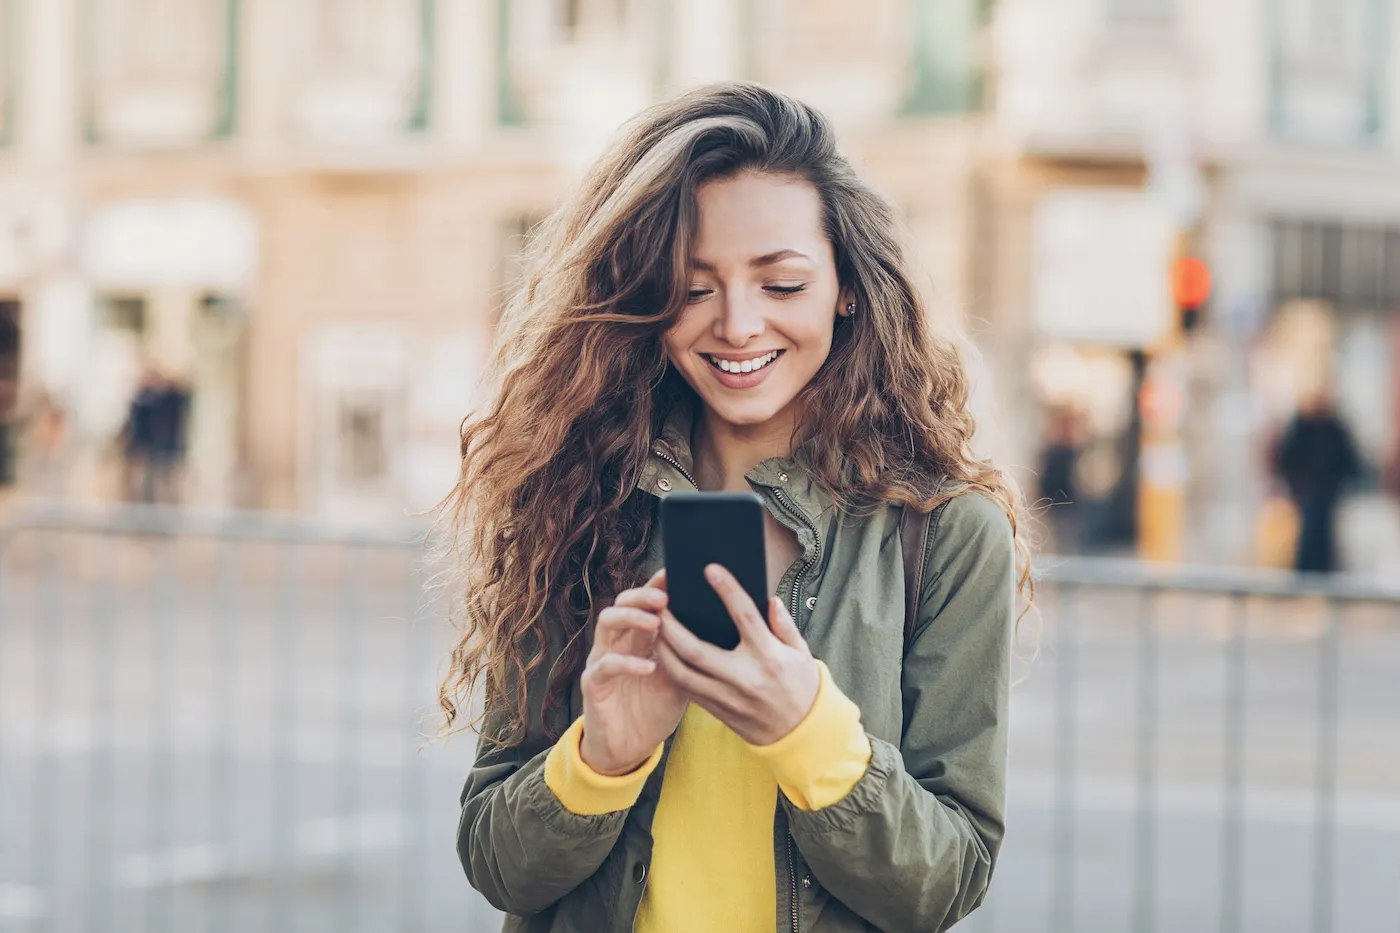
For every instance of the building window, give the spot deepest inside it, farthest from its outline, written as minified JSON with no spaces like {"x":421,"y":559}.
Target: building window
{"x":366,"y":66}
{"x":570,"y":16}
{"x":159,"y":72}
{"x":1151,"y":13}
{"x":1354,"y":268}
{"x":949,"y":72}
{"x":363,"y":445}
{"x":1327,"y":68}
{"x":125,"y":313}
{"x":9,"y":47}
{"x":9,"y":385}
{"x":515,"y":237}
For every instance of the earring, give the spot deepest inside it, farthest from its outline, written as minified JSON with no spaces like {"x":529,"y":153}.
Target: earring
{"x":851,"y":308}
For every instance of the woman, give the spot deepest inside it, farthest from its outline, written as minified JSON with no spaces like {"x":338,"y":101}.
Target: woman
{"x":725,"y":306}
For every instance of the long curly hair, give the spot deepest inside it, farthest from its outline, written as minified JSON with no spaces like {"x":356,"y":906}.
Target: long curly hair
{"x":546,"y":524}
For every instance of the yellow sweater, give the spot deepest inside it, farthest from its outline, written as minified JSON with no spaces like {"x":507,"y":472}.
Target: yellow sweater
{"x":712,"y":857}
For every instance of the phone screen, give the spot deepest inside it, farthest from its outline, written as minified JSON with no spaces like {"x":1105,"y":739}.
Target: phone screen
{"x":700,"y":528}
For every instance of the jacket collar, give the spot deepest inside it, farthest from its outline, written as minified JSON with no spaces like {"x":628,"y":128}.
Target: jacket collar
{"x":671,"y":467}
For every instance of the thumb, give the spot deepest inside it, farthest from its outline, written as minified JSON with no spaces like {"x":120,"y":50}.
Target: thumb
{"x":784,"y":629}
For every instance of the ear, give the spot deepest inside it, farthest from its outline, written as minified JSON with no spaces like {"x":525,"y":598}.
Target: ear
{"x":844,"y":299}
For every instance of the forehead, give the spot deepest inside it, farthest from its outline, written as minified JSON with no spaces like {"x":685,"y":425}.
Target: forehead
{"x":755,"y":214}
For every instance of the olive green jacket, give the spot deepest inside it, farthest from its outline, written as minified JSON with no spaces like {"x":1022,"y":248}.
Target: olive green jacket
{"x":912,"y":846}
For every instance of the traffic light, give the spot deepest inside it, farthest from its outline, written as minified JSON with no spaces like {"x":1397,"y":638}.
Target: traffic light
{"x":1190,"y":278}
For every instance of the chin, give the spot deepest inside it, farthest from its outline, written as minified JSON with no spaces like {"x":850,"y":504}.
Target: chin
{"x":757,"y":412}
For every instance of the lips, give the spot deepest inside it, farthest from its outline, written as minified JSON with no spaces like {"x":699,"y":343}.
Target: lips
{"x":735,"y":377}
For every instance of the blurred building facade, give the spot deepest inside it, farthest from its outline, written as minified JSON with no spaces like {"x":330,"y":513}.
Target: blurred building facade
{"x":310,"y":208}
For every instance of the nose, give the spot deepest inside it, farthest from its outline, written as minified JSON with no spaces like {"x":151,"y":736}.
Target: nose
{"x":738,"y":321}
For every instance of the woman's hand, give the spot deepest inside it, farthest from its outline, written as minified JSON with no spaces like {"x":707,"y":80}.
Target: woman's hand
{"x":630,"y":705}
{"x":764,"y":687}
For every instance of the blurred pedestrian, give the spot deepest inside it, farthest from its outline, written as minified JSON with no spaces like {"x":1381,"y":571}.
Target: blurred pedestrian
{"x":154,"y":438}
{"x":1315,"y":459}
{"x":724,"y":305}
{"x":1065,"y":436}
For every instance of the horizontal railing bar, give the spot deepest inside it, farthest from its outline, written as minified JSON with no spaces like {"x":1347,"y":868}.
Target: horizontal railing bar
{"x":250,"y":525}
{"x":239,"y":524}
{"x":1127,"y":574}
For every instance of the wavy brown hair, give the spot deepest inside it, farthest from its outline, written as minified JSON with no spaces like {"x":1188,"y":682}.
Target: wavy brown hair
{"x":546,"y":523}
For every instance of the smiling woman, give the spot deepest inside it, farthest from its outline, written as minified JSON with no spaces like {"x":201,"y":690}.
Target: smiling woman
{"x":763,"y":284}
{"x":725,"y":306}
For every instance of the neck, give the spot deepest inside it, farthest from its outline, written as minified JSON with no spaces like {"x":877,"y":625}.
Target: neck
{"x":724,"y":453}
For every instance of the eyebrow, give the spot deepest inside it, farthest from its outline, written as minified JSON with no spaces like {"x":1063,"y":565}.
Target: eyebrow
{"x":767,"y":259}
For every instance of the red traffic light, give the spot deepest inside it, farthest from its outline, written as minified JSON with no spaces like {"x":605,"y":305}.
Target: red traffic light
{"x":1190,"y":279}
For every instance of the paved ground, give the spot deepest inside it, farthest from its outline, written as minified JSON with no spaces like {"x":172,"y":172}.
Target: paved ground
{"x":191,"y":744}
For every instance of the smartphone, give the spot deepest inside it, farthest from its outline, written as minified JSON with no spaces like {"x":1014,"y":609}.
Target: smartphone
{"x":701,"y":528}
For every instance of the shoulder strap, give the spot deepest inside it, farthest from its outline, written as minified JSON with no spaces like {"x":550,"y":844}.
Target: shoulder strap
{"x":913,"y":534}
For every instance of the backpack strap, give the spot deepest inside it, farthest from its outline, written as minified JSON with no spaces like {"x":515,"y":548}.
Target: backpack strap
{"x":913,"y":535}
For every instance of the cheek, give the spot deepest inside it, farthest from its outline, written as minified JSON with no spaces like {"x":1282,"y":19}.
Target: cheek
{"x":678,"y":341}
{"x":674,"y":344}
{"x":813,"y":335}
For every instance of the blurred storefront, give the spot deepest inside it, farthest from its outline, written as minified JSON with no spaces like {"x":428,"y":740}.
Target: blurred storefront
{"x":311,"y":212}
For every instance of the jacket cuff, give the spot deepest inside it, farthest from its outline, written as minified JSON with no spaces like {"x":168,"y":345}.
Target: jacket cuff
{"x":819,"y":762}
{"x":585,"y":792}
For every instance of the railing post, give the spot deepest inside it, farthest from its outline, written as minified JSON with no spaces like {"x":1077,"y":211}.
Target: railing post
{"x":1062,"y":873}
{"x":1145,"y":834}
{"x":160,"y":897}
{"x":224,"y":796}
{"x":99,"y":900}
{"x":352,"y":630}
{"x":285,"y":638}
{"x":417,"y":837}
{"x":1232,"y":841}
{"x":1325,"y":818}
{"x":50,"y":628}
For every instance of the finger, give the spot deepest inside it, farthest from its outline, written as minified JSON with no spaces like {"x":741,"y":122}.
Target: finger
{"x":703,"y":689}
{"x":642,"y":597}
{"x":784,"y":629}
{"x":695,"y":652}
{"x":617,"y":623}
{"x":611,"y":666}
{"x":752,"y":628}
{"x":658,"y":580}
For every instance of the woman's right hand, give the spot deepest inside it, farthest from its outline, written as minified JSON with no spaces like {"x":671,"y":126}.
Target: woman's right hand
{"x":630,"y":704}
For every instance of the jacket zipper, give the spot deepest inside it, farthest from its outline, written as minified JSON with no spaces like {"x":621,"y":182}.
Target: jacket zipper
{"x":796,"y":591}
{"x":806,"y":565}
{"x":676,"y":463}
{"x":792,"y":882}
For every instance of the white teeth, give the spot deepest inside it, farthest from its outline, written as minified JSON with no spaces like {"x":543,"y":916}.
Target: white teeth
{"x":747,"y":366}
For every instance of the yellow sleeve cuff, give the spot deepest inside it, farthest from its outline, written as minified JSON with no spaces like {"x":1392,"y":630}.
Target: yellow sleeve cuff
{"x":820,"y":761}
{"x":585,"y":792}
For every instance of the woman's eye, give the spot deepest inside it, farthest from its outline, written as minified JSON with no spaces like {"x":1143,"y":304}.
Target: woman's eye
{"x":698,"y":294}
{"x":783,"y":291}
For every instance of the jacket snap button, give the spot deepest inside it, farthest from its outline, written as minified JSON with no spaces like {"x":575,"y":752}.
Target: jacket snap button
{"x":811,"y":602}
{"x":639,"y":872}
{"x":806,"y":881}
{"x":664,"y":483}
{"x":782,"y":477}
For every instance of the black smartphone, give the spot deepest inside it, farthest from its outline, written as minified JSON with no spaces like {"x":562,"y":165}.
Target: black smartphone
{"x":700,"y":528}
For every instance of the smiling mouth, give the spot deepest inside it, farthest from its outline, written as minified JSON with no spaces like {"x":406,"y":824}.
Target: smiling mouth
{"x":738,"y":368}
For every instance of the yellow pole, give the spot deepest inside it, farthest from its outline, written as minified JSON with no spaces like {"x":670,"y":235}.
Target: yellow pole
{"x":1161,"y":505}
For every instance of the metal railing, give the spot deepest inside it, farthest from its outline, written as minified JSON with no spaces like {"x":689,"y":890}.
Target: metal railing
{"x":213,"y":722}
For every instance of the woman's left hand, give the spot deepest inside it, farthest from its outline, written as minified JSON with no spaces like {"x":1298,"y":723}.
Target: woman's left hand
{"x":764,"y":687}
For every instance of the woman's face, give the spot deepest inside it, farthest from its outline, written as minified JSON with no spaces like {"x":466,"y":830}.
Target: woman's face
{"x":763,"y":297}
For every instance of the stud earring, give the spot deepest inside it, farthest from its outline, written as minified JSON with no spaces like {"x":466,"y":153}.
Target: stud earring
{"x":851,"y":308}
